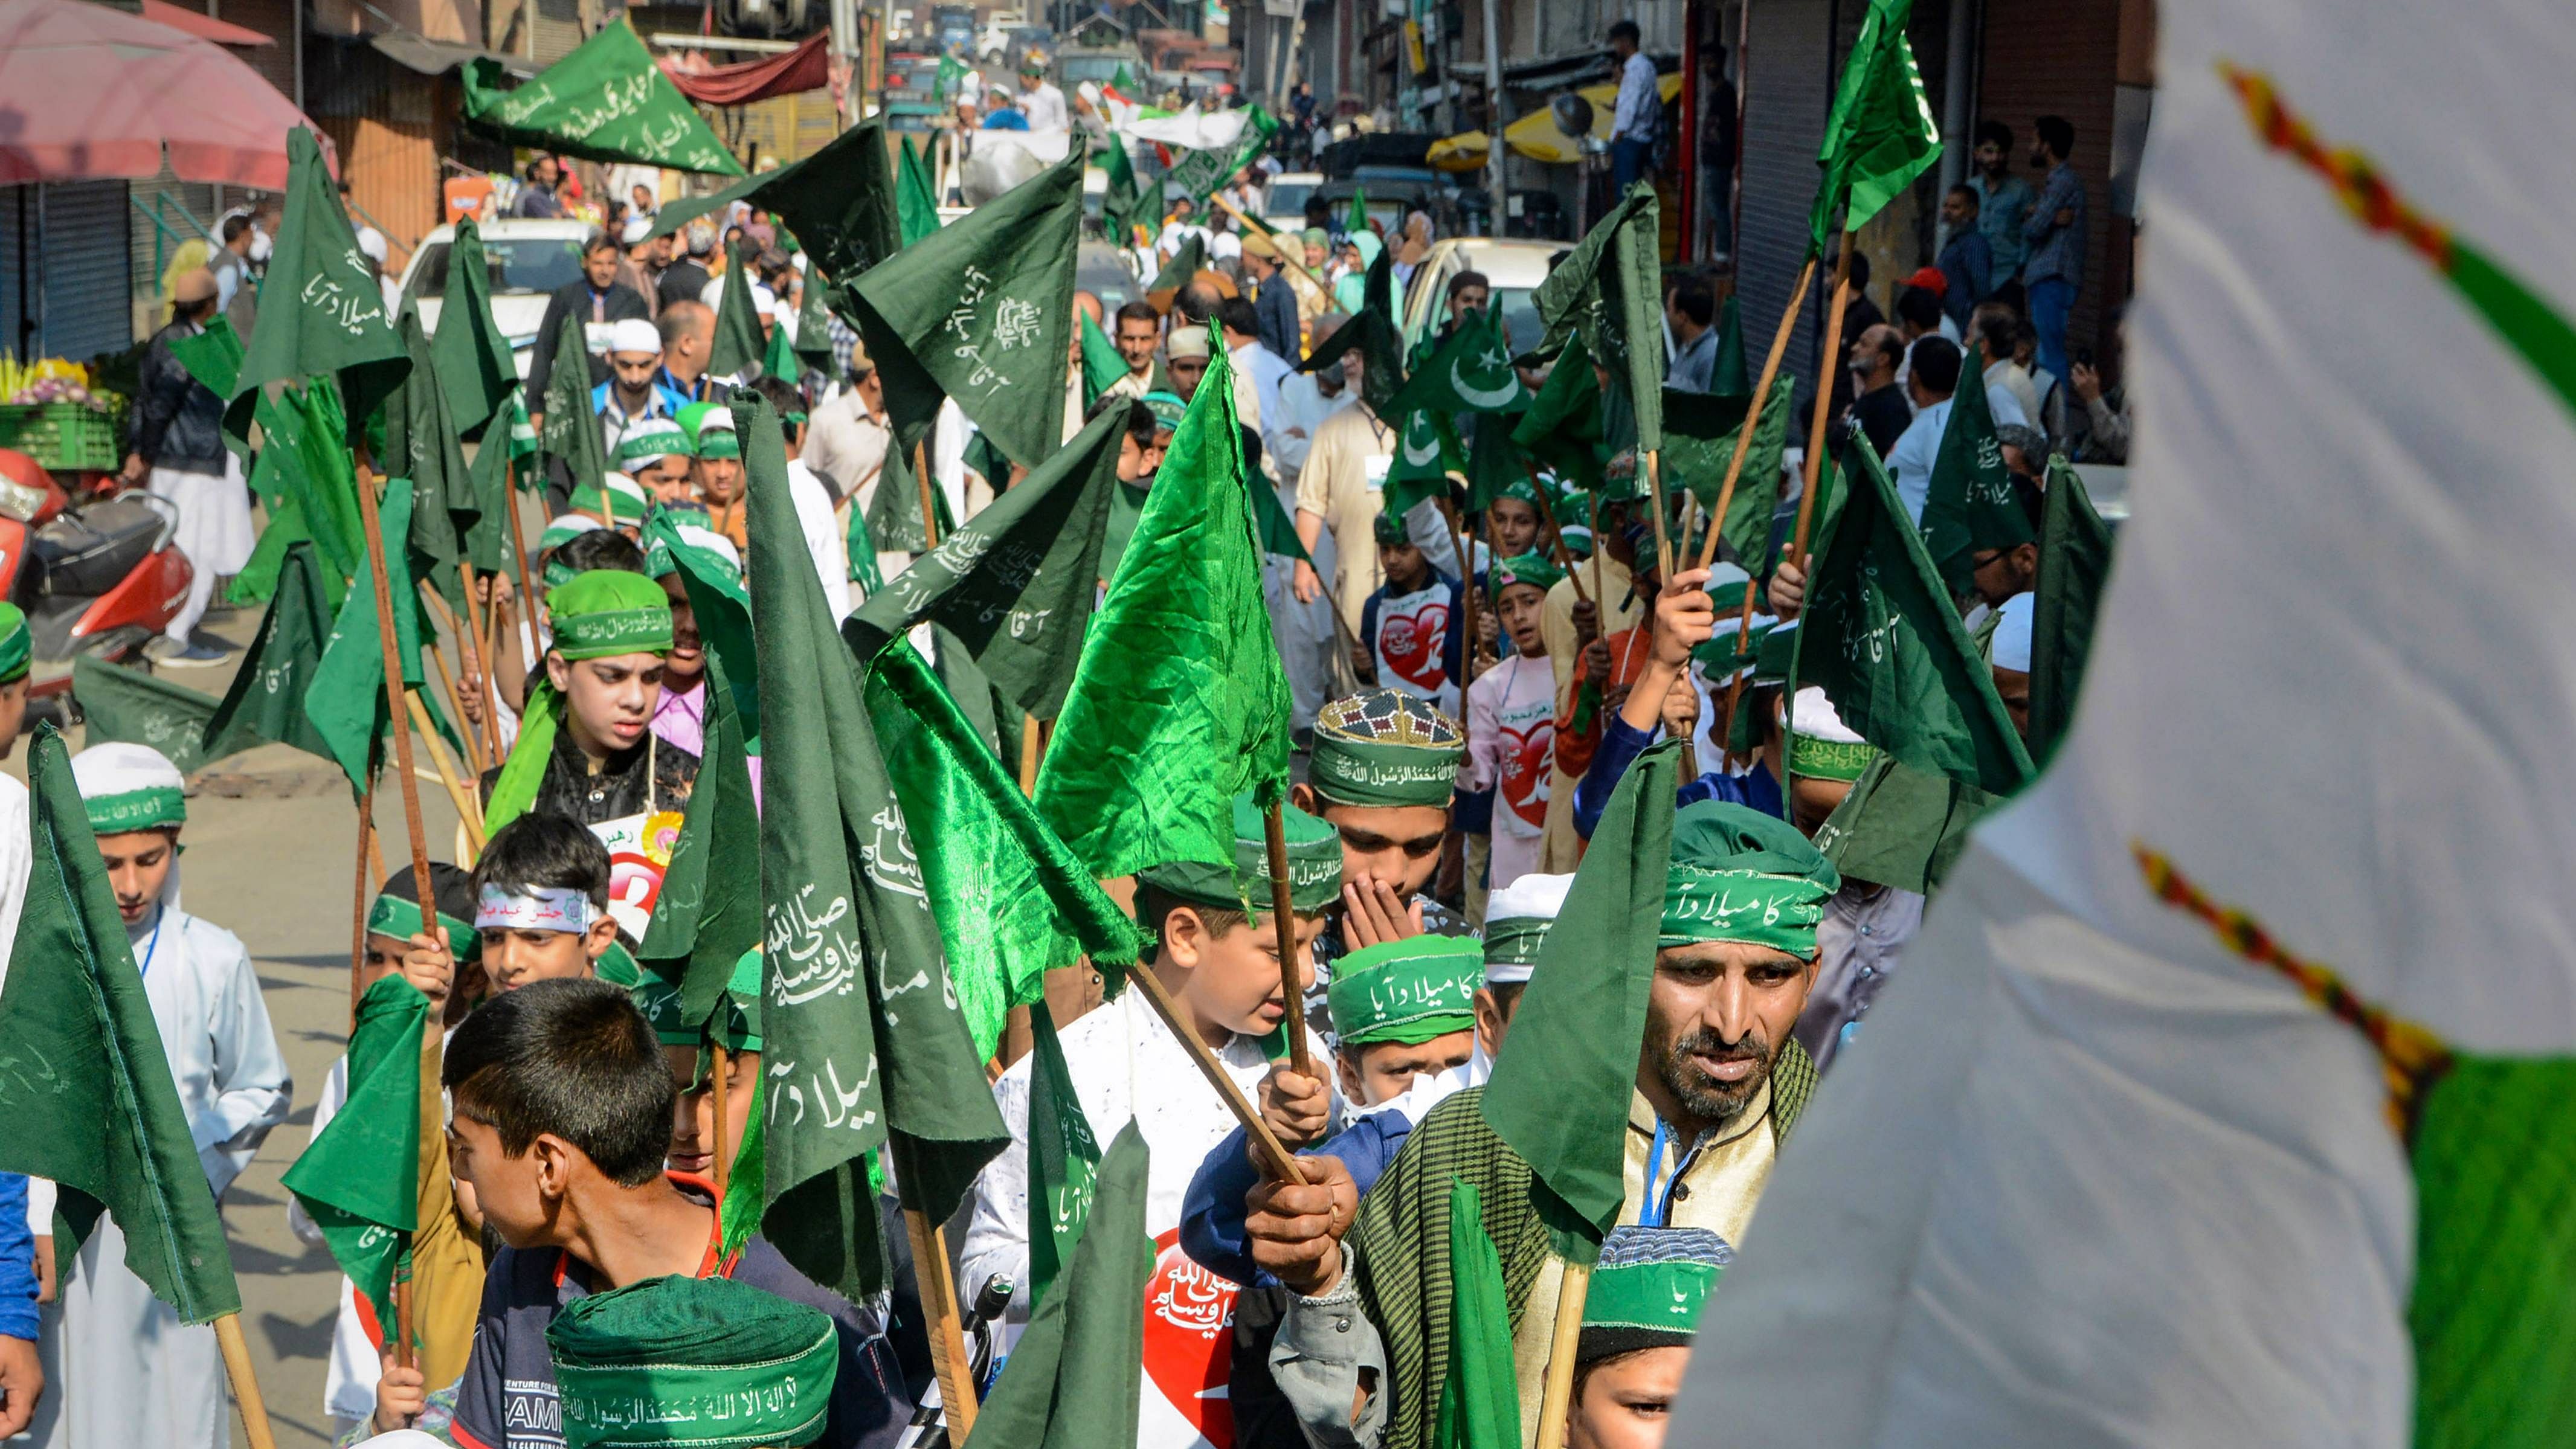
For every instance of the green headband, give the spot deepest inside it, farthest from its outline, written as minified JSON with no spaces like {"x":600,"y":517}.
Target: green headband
{"x":692,"y":1363}
{"x":614,"y":503}
{"x":1389,"y":530}
{"x":609,"y":611}
{"x":1314,"y":866}
{"x":1514,"y":941}
{"x":1384,"y":748}
{"x":736,"y":1023}
{"x":1820,"y":759}
{"x":1648,"y":1289}
{"x":1740,"y":875}
{"x":17,"y":644}
{"x":1532,"y":569}
{"x":151,"y":809}
{"x":1406,"y":991}
{"x":1167,"y":408}
{"x":651,"y":439}
{"x":719,"y":443}
{"x":399,"y":917}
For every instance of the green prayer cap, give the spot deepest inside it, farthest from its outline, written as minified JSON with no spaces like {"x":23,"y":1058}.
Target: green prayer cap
{"x":1384,"y":747}
{"x":1740,"y":875}
{"x":609,"y":611}
{"x":1389,"y":530}
{"x":1167,"y":408}
{"x":1648,"y":1289}
{"x":1821,"y":746}
{"x":1406,"y":991}
{"x":1520,"y":488}
{"x":1774,"y":654}
{"x":676,"y":533}
{"x":616,"y":495}
{"x":129,"y":787}
{"x":649,"y":442}
{"x":17,"y":644}
{"x":710,"y":429}
{"x":1533,"y":569}
{"x":1314,"y":866}
{"x":1517,"y":919}
{"x":1314,"y":236}
{"x":737,"y":1021}
{"x":399,"y":917}
{"x":692,"y":1363}
{"x":564,"y":529}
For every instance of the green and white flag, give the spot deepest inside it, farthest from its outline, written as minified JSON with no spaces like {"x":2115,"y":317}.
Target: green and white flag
{"x":359,"y":1179}
{"x":1127,"y":205}
{"x":128,"y":705}
{"x":2074,"y":564}
{"x":84,"y":1083}
{"x":1880,"y":134}
{"x":321,"y":312}
{"x":606,"y":101}
{"x":1470,"y":373}
{"x":1200,"y":172}
{"x":1426,"y":453}
{"x":1064,"y":1157}
{"x":1969,"y":506}
{"x":473,"y":354}
{"x":1076,"y":1378}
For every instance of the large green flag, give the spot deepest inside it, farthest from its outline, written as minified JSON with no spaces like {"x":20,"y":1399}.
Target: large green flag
{"x":1902,"y":827}
{"x":606,"y":101}
{"x":1200,"y":172}
{"x":1699,"y":462}
{"x":916,"y":196}
{"x":709,"y":910}
{"x":266,"y":702}
{"x":321,"y":312}
{"x":1185,"y":263}
{"x":2074,"y":563}
{"x":1426,"y":453}
{"x":1969,"y":505}
{"x":738,"y":342}
{"x":1180,"y":703}
{"x":87,"y":1089}
{"x":1127,"y":205}
{"x":1011,"y":900}
{"x":1470,"y":373}
{"x":841,"y":202}
{"x":1076,"y":1378}
{"x":128,"y":705}
{"x":420,"y":444}
{"x":1560,"y":1099}
{"x":1064,"y":1157}
{"x":1880,"y":134}
{"x":1609,"y":293}
{"x":1480,"y":1402}
{"x":1015,"y":583}
{"x":571,"y":432}
{"x":318,"y":478}
{"x":346,"y":698}
{"x":1883,"y":639}
{"x":1102,"y":363}
{"x":865,"y":1046}
{"x":473,"y":354}
{"x":1562,"y":428}
{"x":982,"y":312}
{"x":360,"y":1178}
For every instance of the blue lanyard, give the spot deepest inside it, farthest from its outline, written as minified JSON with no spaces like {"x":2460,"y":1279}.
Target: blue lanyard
{"x":1652,"y":1213}
{"x":152,"y":944}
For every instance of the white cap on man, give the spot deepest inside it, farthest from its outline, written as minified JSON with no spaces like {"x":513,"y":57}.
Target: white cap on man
{"x":634,"y":335}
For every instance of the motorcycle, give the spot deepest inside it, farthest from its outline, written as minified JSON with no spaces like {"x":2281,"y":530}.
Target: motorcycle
{"x":95,"y":574}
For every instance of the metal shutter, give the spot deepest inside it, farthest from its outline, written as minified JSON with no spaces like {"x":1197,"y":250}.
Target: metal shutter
{"x":17,"y":288}
{"x":2060,"y":57}
{"x":1788,"y":75}
{"x":275,"y":19}
{"x":87,"y":269}
{"x":558,"y":29}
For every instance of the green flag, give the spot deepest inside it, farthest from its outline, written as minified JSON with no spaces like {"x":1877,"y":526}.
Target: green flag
{"x":1272,"y":525}
{"x":1200,"y":172}
{"x":1064,"y":1158}
{"x":1185,"y":263}
{"x":1560,"y":1100}
{"x":1882,"y":637}
{"x":893,"y":516}
{"x":1076,"y":1378}
{"x":982,"y":312}
{"x":738,"y":343}
{"x":1902,"y":827}
{"x":420,"y":444}
{"x":346,"y":699}
{"x":1373,"y":336}
{"x":2074,"y":562}
{"x":813,"y":344}
{"x":472,"y":353}
{"x":778,"y":355}
{"x":1426,"y":453}
{"x":321,"y":312}
{"x":571,"y":433}
{"x":1562,"y":428}
{"x":1016,"y":583}
{"x":1123,"y":83}
{"x":117,"y":703}
{"x":1609,"y":293}
{"x":1494,"y":463}
{"x":1356,"y":219}
{"x":1102,"y":363}
{"x":1470,"y":373}
{"x":1880,"y":134}
{"x":1127,"y":205}
{"x":304,"y":474}
{"x":1699,"y":461}
{"x":87,"y":1089}
{"x":1011,"y":900}
{"x":840,"y":202}
{"x":680,"y":211}
{"x":265,"y":704}
{"x":723,"y":612}
{"x":1730,"y":378}
{"x":864,"y":1045}
{"x":1180,"y":703}
{"x":1480,"y":1402}
{"x":360,"y":1178}
{"x":709,"y":912}
{"x":489,"y":545}
{"x":606,"y":101}
{"x":1969,"y":506}
{"x":214,"y":357}
{"x":916,"y":196}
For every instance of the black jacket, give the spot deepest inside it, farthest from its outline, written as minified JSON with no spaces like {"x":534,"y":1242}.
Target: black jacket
{"x":178,"y":421}
{"x":1275,"y":310}
{"x":621,"y":302}
{"x":682,"y":281}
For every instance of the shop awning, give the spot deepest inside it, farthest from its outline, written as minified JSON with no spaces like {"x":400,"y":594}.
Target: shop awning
{"x":204,"y":27}
{"x":806,"y":68}
{"x":424,"y":56}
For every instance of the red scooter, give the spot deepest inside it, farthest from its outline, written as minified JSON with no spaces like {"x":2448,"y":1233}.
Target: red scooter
{"x":95,"y":575}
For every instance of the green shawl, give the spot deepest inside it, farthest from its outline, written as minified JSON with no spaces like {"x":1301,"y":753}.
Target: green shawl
{"x":1402,"y":1237}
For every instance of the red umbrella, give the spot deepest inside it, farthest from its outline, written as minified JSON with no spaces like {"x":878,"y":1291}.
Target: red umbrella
{"x":90,"y":93}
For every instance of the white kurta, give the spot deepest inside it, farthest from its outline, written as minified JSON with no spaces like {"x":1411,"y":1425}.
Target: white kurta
{"x":1126,"y":1066}
{"x":122,"y":1370}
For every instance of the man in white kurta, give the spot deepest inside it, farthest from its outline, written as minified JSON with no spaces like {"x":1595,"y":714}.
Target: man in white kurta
{"x":125,"y":1372}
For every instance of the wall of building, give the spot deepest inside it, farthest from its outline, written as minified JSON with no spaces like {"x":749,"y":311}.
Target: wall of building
{"x":2060,"y":57}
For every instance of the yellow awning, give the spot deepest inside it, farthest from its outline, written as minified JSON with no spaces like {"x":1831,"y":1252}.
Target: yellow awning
{"x":1462,"y":152}
{"x":1536,"y":135}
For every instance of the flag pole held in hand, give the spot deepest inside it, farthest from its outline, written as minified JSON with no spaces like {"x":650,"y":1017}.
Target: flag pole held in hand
{"x":1276,"y":1159}
{"x":1824,"y":398}
{"x":396,"y":716}
{"x":1761,"y":394}
{"x":1274,"y":831}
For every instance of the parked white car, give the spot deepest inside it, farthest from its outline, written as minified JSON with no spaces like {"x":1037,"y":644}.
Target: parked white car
{"x":526,"y":262}
{"x":1513,"y":268}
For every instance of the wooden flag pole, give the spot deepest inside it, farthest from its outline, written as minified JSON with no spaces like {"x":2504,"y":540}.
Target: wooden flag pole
{"x":488,"y":683}
{"x":1275,"y":1155}
{"x":405,"y":1355}
{"x":723,"y":1161}
{"x":1558,"y":1395}
{"x":366,"y":898}
{"x":1654,"y":461}
{"x":929,"y":515}
{"x":1296,"y":264}
{"x":475,"y":631}
{"x":1824,"y":397}
{"x":1284,"y":923}
{"x":447,"y":678}
{"x":1029,"y":755}
{"x":1753,"y":415}
{"x":254,"y":1410}
{"x":456,"y":794}
{"x":947,"y":1329}
{"x":1547,"y":515}
{"x":519,"y":546}
{"x":395,"y":715}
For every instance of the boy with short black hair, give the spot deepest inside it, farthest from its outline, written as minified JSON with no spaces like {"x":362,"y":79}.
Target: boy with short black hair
{"x":541,"y":904}
{"x":1408,"y":635}
{"x":562,"y":1117}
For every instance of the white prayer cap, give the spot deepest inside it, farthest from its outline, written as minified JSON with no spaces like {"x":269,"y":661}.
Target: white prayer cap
{"x":372,"y":242}
{"x":1722,"y":574}
{"x":719,"y":418}
{"x":701,"y":537}
{"x":634,"y":334}
{"x":763,"y":300}
{"x":1089,"y":91}
{"x":1516,"y":920}
{"x":797,"y":260}
{"x":1813,"y":717}
{"x":637,"y":228}
{"x":129,"y":787}
{"x":2012,"y":633}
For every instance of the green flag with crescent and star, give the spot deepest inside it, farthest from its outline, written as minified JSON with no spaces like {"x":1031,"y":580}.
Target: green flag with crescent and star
{"x":605,"y":101}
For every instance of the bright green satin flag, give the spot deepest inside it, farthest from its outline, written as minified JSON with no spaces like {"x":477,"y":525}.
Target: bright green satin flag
{"x":359,"y":1179}
{"x":605,"y":101}
{"x":321,"y":312}
{"x":1880,"y":134}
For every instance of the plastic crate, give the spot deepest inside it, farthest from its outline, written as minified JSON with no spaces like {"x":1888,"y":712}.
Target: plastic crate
{"x":61,"y":435}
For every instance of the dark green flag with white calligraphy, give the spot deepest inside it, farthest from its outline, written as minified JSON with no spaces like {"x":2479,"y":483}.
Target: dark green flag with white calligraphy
{"x":606,"y":101}
{"x":320,"y":310}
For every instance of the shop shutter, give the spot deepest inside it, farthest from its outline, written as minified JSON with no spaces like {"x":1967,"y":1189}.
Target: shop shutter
{"x":17,"y":287}
{"x":1787,"y":90}
{"x":2061,"y":58}
{"x":87,"y":270}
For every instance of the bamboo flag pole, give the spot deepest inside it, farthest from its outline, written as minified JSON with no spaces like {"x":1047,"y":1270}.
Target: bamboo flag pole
{"x":1824,"y":397}
{"x":929,"y":515}
{"x":394,"y":712}
{"x":723,"y":1160}
{"x":447,"y":679}
{"x":1558,"y":1395}
{"x":474,"y":742}
{"x":1029,"y":755}
{"x":519,"y":547}
{"x":1284,"y":922}
{"x":366,"y":898}
{"x":947,"y":1327}
{"x":1274,"y":1154}
{"x":1297,"y":264}
{"x":456,"y":793}
{"x":254,"y":1409}
{"x":1753,"y":415}
{"x":1654,"y":461}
